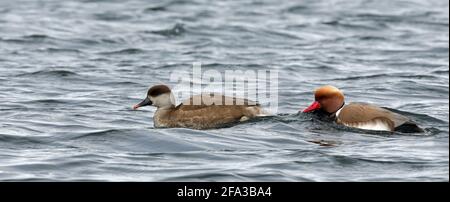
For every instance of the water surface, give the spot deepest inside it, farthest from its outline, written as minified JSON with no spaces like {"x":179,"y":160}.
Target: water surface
{"x":71,"y":70}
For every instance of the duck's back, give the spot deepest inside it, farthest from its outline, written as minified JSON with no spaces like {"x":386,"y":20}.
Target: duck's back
{"x":205,"y":111}
{"x":368,"y":116}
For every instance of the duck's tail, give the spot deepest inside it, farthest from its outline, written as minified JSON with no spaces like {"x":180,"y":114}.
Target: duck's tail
{"x":257,"y":111}
{"x":409,"y":127}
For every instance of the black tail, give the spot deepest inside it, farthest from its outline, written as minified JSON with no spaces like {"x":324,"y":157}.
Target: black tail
{"x":409,"y":127}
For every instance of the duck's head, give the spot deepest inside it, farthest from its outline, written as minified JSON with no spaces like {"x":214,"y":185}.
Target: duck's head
{"x":327,"y":98}
{"x":159,"y":96}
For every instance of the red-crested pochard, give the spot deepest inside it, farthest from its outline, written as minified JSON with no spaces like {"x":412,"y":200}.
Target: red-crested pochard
{"x":213,"y":111}
{"x":330,"y":100}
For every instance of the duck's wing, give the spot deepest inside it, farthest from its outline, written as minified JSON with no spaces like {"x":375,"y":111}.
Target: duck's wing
{"x":218,"y":100}
{"x":368,"y":114}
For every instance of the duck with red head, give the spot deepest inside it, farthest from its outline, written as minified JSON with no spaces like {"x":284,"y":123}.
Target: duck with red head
{"x":212,"y":112}
{"x":330,"y":100}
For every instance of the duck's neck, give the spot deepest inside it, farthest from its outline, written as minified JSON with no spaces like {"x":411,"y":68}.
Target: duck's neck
{"x":168,"y":107}
{"x":335,"y":114}
{"x":164,"y":112}
{"x":162,"y":116}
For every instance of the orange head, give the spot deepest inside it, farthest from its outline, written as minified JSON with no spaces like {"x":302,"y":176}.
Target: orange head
{"x":327,"y":98}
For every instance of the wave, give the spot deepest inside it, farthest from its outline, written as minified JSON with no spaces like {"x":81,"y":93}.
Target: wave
{"x":22,"y":140}
{"x":444,"y":72}
{"x":421,"y":117}
{"x":297,"y":9}
{"x":384,"y":76}
{"x":62,"y":50}
{"x":176,"y":30}
{"x":155,"y":8}
{"x":344,"y":24}
{"x":127,"y":51}
{"x":52,"y":73}
{"x":112,"y":16}
{"x":165,"y":6}
{"x":33,"y":38}
{"x":48,"y":101}
{"x":98,"y":133}
{"x":36,"y":36}
{"x":205,"y":176}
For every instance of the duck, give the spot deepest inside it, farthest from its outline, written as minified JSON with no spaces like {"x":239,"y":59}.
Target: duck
{"x":204,"y":111}
{"x":330,"y":102}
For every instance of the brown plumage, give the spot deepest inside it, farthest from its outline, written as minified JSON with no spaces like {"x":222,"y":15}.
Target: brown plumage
{"x":362,"y":115}
{"x":207,"y":115}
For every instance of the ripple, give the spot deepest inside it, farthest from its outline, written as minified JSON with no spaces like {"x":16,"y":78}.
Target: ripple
{"x":127,"y":51}
{"x":47,"y":101}
{"x":176,"y":30}
{"x":372,"y":38}
{"x":349,"y":25}
{"x":68,"y":78}
{"x":444,"y":72}
{"x":62,"y":50}
{"x":36,"y":36}
{"x":21,"y":140}
{"x":420,"y":117}
{"x":297,"y":9}
{"x":210,"y":176}
{"x":384,"y":76}
{"x":50,"y":73}
{"x":112,"y":16}
{"x":155,"y":8}
{"x":33,"y":38}
{"x":98,"y":133}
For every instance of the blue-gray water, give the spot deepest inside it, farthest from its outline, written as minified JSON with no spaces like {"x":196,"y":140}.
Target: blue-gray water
{"x":71,"y":70}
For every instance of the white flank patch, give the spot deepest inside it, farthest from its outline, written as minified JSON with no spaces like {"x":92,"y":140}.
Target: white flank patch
{"x":372,"y":125}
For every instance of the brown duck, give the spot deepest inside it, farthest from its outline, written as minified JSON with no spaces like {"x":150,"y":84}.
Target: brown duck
{"x":203,"y":111}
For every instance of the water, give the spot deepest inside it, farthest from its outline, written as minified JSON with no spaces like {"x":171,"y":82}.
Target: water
{"x":71,"y":70}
